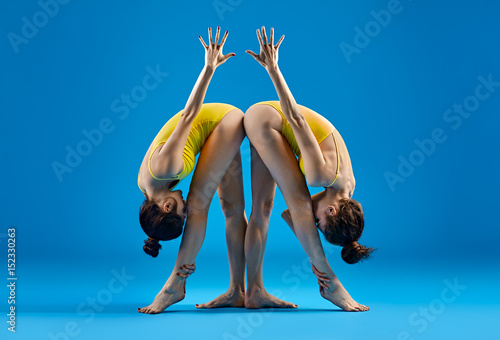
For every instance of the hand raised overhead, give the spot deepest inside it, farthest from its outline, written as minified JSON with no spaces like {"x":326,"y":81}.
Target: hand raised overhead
{"x":268,"y":56}
{"x":213,"y":51}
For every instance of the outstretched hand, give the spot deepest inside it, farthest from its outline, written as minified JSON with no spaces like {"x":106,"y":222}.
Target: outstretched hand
{"x":268,"y":56}
{"x":213,"y":51}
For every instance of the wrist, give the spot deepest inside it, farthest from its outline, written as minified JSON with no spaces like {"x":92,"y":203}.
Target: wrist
{"x":272,"y":69}
{"x":209,"y":68}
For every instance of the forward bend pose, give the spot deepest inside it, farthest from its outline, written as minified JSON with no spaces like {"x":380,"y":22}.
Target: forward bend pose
{"x":216,"y":132}
{"x":279,"y":131}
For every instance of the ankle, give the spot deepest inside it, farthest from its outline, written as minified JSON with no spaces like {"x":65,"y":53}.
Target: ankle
{"x":255,"y":289}
{"x":236,"y":288}
{"x":175,"y":282}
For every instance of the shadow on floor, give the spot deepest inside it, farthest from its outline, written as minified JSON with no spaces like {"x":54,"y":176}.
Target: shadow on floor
{"x":132,"y":309}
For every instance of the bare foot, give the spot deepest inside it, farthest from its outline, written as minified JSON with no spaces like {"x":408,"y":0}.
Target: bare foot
{"x":341,"y":298}
{"x":164,"y":299}
{"x":231,"y":298}
{"x":262,"y":299}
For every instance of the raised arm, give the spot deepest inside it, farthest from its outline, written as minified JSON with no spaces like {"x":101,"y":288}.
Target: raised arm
{"x":319,"y":171}
{"x":169,"y":157}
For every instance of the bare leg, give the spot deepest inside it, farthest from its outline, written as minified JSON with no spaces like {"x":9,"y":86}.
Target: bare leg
{"x":216,"y":155}
{"x":232,"y":201}
{"x":263,"y":128}
{"x":263,"y":189}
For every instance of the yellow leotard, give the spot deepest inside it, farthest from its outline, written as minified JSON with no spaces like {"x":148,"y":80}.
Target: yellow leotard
{"x":320,"y":126}
{"x":205,"y":122}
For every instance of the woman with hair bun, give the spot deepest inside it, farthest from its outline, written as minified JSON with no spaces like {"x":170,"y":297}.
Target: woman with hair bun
{"x":215,"y":132}
{"x":279,"y":131}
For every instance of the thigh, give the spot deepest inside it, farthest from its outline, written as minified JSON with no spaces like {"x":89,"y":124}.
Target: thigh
{"x":264,"y":132}
{"x":230,"y":189}
{"x":217,"y":153}
{"x":263,"y":185}
{"x":259,"y":119}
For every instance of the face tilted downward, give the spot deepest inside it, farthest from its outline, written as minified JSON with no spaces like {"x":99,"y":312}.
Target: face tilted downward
{"x":162,"y":219}
{"x":174,"y":202}
{"x":342,"y":222}
{"x":323,"y":210}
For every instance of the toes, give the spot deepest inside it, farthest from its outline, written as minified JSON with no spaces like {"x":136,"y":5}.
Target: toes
{"x":281,"y":303}
{"x":350,"y":308}
{"x":363,"y":308}
{"x":211,"y":304}
{"x":150,"y":311}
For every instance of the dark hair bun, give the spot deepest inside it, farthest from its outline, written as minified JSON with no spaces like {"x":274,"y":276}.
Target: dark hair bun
{"x":151,"y":247}
{"x":354,"y":252}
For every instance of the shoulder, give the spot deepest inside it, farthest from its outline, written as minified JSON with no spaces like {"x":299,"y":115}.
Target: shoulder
{"x":163,"y":165}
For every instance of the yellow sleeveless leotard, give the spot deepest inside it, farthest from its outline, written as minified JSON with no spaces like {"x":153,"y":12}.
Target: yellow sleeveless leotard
{"x":205,"y":122}
{"x":320,"y":126}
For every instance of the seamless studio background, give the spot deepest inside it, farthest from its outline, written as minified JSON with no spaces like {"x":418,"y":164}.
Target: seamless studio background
{"x":412,"y":86}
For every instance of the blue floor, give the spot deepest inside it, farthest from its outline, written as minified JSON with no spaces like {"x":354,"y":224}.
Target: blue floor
{"x":416,"y":100}
{"x":407,"y":302}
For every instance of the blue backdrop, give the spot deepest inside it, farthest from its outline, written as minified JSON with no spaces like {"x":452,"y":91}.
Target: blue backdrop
{"x":412,"y":86}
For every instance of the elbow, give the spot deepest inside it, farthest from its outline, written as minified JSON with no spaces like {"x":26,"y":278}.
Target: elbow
{"x":314,"y":181}
{"x":187,"y":115}
{"x":298,"y":120}
{"x":190,"y":112}
{"x":311,"y":181}
{"x":319,"y":180}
